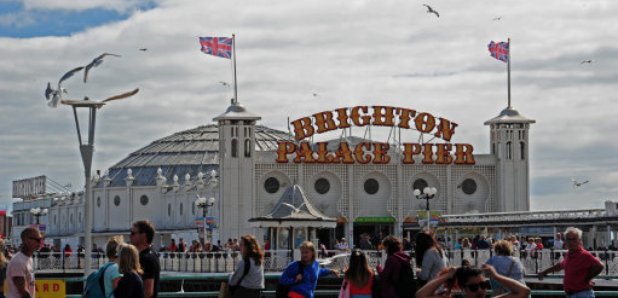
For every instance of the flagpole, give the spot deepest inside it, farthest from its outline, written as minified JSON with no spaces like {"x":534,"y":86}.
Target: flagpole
{"x":235,"y":101}
{"x":508,"y":67}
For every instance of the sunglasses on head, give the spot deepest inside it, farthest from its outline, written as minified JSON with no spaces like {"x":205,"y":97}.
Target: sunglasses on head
{"x":475,"y":287}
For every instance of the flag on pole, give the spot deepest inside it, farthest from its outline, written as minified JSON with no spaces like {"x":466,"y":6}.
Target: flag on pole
{"x":217,"y":46}
{"x":499,"y":50}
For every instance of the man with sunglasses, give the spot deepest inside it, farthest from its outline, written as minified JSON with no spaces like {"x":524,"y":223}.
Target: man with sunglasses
{"x":20,"y":274}
{"x":142,"y":233}
{"x":579,"y":266}
{"x":472,"y":284}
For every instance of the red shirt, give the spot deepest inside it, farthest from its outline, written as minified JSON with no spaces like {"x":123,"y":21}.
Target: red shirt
{"x":576,"y":266}
{"x":365,"y":290}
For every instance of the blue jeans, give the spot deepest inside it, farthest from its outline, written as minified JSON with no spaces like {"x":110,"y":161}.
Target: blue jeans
{"x":582,"y":294}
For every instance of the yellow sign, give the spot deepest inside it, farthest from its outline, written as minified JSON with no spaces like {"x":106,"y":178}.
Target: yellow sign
{"x":50,"y":288}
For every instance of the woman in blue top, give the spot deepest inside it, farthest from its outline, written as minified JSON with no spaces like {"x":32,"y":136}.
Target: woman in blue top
{"x":302,"y":285}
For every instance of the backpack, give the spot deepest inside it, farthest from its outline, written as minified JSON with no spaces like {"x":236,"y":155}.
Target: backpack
{"x":95,"y":287}
{"x":282,"y":290}
{"x":405,"y":287}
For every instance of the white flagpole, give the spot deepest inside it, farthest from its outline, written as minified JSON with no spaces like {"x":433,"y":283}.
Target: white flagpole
{"x":235,"y":101}
{"x":508,"y":67}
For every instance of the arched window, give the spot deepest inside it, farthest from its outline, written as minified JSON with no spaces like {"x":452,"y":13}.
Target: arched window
{"x":247,"y":148}
{"x":522,"y":150}
{"x":509,"y":150}
{"x":234,"y":148}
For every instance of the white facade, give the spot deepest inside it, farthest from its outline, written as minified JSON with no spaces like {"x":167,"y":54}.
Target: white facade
{"x":161,"y":181}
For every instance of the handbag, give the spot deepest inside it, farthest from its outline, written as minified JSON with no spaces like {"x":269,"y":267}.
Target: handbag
{"x":344,"y":292}
{"x":233,"y":288}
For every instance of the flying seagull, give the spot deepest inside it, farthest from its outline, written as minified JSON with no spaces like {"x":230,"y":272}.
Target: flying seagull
{"x":296,"y":210}
{"x":143,"y":49}
{"x":96,"y":62}
{"x":586,"y":61}
{"x":431,"y":10}
{"x":55,"y":95}
{"x":315,"y":94}
{"x":498,"y":19}
{"x":577,"y":183}
{"x":224,"y":83}
{"x":115,"y":97}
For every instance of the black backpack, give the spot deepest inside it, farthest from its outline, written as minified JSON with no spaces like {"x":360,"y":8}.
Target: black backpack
{"x":406,"y":286}
{"x":283,"y":290}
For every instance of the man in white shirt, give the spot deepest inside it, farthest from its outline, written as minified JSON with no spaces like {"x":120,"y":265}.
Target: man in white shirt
{"x":342,"y":245}
{"x":558,"y":242}
{"x":19,"y":273}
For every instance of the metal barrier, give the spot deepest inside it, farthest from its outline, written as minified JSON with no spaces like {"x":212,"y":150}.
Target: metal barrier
{"x":219,"y":277}
{"x":276,"y":260}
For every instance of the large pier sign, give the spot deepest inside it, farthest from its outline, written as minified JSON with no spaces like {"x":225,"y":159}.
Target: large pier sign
{"x":374,"y":152}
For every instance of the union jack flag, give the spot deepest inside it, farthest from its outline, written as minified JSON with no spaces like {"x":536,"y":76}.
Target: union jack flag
{"x":217,"y":46}
{"x":499,"y":50}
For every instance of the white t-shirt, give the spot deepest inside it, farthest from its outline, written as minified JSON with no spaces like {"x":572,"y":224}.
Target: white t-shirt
{"x":20,"y":266}
{"x":558,"y":244}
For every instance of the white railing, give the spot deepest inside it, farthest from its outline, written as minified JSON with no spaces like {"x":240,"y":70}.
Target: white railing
{"x":277,"y":260}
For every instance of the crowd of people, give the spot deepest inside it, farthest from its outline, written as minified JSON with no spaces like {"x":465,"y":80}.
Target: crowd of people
{"x":198,"y":246}
{"x":133,"y":269}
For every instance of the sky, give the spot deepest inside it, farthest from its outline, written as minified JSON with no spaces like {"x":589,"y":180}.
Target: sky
{"x":347,"y":52}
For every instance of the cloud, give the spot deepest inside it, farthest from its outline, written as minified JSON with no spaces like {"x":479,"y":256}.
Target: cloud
{"x":365,"y":52}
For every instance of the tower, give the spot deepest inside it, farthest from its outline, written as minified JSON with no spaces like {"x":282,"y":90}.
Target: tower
{"x":236,"y":170}
{"x":509,"y":143}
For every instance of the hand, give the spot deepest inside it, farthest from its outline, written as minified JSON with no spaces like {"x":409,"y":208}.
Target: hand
{"x":541,"y":275}
{"x":334,"y":272}
{"x":489,"y":270}
{"x":299,"y":277}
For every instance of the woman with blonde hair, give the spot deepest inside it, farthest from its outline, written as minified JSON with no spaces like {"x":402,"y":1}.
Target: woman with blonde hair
{"x":248,"y":278}
{"x":131,"y":284}
{"x":111,"y":274}
{"x":505,"y":265}
{"x":301,"y":277}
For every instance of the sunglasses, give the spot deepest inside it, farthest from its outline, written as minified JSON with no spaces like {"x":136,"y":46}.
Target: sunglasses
{"x":571,"y":239}
{"x":475,"y":287}
{"x":35,"y":238}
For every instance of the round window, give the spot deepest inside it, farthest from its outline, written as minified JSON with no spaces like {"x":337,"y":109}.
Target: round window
{"x":143,"y":200}
{"x":322,"y":186}
{"x":420,"y":184}
{"x":468,"y":186}
{"x":98,"y":201}
{"x":372,"y":186}
{"x":117,"y":200}
{"x":271,"y":185}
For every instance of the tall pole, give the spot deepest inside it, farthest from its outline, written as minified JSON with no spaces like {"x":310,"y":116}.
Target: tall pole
{"x":205,"y":213}
{"x":428,"y":214}
{"x":508,"y":70}
{"x":234,"y":65}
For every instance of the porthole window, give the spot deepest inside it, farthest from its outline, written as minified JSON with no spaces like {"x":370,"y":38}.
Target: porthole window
{"x":468,"y":186}
{"x":420,"y":184}
{"x":117,"y":200}
{"x":271,"y":185}
{"x":169,"y":210}
{"x":322,"y":186}
{"x":372,"y":186}
{"x":181,"y":209}
{"x":98,"y":201}
{"x":143,"y":200}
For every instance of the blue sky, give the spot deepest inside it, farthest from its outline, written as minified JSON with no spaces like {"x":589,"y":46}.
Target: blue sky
{"x":19,"y":22}
{"x":360,"y":52}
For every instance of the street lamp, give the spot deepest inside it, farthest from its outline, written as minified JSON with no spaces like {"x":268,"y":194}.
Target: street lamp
{"x":38,"y":212}
{"x":428,"y":194}
{"x":205,"y":204}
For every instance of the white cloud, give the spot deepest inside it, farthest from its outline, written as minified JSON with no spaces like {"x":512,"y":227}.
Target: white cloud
{"x":71,"y":5}
{"x":365,"y":52}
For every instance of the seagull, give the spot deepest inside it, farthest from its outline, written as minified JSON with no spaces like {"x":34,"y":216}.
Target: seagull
{"x":586,"y":61}
{"x":96,"y":62}
{"x":315,"y":94}
{"x":143,"y":49}
{"x":224,"y":83}
{"x":498,"y":19}
{"x":56,"y":95}
{"x":431,"y":10}
{"x":296,"y":210}
{"x":578,"y":184}
{"x":115,"y":97}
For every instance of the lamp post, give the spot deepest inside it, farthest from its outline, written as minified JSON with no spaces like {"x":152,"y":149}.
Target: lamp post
{"x":427,"y":194}
{"x":38,"y":212}
{"x":205,"y":204}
